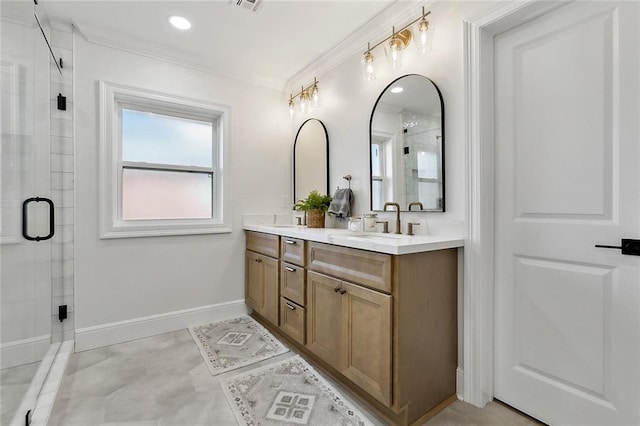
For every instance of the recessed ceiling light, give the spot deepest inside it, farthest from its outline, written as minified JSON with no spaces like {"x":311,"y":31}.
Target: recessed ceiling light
{"x":180,"y":23}
{"x":397,"y":89}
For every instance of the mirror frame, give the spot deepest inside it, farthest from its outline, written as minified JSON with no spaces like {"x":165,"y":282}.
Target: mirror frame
{"x":295,"y":144}
{"x":444,"y":197}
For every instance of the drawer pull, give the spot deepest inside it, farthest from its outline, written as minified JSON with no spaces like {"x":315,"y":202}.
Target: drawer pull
{"x":293,"y":308}
{"x":343,"y":291}
{"x":289,"y":268}
{"x":337,"y":289}
{"x":289,"y":241}
{"x":258,"y":261}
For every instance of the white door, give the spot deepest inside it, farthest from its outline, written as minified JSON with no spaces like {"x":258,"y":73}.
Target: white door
{"x":567,"y":314}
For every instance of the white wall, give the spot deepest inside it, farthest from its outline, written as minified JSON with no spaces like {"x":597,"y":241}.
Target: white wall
{"x":127,"y":279}
{"x":347,"y":103}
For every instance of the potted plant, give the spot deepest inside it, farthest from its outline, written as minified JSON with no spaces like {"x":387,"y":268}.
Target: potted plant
{"x":315,"y":206}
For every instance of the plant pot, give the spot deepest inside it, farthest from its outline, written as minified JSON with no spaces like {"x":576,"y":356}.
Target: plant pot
{"x":315,"y":219}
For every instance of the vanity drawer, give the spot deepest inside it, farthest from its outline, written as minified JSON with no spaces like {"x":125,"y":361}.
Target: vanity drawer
{"x":292,"y":250}
{"x":292,"y":279}
{"x":292,"y":320}
{"x":359,"y":266}
{"x":267,"y":244}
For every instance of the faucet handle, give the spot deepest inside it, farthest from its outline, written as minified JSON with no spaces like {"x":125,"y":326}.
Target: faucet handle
{"x":410,"y":226}
{"x":385,"y":226}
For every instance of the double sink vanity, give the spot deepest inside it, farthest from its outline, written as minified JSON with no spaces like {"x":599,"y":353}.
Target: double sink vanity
{"x":375,"y":311}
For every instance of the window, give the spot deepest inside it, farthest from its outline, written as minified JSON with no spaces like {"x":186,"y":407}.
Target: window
{"x":161,"y":164}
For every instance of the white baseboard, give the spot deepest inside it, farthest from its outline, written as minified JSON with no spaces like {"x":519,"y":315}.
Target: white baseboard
{"x":460,"y":383}
{"x":24,"y":351}
{"x":138,"y":328}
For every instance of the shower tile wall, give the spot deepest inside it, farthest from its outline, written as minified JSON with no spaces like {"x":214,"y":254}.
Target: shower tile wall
{"x":421,"y":135}
{"x":62,"y":175}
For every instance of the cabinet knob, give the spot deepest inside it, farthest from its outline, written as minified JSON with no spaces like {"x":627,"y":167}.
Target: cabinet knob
{"x":337,"y":289}
{"x":258,"y":261}
{"x":343,"y":291}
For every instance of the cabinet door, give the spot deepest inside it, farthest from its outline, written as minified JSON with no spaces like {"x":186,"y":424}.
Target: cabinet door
{"x":324,"y":310}
{"x":254,"y":289}
{"x":261,"y":288}
{"x":366,"y":330}
{"x":271,"y":305}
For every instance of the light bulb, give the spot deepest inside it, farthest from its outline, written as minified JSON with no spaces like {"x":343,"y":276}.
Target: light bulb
{"x":368,"y":70}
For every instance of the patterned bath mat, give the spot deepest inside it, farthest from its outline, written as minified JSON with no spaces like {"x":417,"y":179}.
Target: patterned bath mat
{"x":288,"y":392}
{"x":235,"y":343}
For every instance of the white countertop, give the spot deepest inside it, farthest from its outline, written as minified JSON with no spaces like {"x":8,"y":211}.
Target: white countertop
{"x":373,"y":241}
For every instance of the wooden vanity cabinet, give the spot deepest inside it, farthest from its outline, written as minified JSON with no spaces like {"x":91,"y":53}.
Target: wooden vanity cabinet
{"x":385,"y":326}
{"x":386,"y":323}
{"x":349,"y":327}
{"x":262,"y":275}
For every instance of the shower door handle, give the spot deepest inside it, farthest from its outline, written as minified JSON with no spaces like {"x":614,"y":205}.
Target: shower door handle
{"x":25,"y":217}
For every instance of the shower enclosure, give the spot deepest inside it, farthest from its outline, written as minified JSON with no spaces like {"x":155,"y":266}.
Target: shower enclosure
{"x":26,"y":214}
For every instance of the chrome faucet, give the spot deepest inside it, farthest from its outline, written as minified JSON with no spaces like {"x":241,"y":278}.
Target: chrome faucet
{"x":415,"y":203}
{"x":397,"y":206}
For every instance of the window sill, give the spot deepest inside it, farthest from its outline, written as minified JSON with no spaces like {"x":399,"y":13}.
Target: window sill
{"x":159,"y":232}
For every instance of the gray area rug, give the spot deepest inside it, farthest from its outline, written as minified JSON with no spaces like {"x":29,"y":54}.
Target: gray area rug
{"x":288,"y":392}
{"x":235,"y":343}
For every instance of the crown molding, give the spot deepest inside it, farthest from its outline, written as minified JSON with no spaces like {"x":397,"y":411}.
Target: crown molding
{"x":187,"y":61}
{"x":377,"y":28}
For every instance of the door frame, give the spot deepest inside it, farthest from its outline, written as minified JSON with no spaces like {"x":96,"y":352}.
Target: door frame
{"x":479,"y":262}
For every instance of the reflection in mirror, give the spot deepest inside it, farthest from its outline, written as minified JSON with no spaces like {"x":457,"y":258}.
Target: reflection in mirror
{"x":311,"y":159}
{"x":407,"y":146}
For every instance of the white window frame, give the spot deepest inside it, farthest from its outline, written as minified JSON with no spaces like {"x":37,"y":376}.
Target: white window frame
{"x":113,"y":98}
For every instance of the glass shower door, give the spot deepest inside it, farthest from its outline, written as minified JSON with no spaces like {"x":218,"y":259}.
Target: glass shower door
{"x":25,"y":217}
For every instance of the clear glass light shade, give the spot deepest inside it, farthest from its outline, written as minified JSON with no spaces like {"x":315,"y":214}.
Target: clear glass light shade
{"x":393,"y":51}
{"x":425,"y":36}
{"x":292,"y":108}
{"x":368,"y":68}
{"x":303,"y":104}
{"x":315,"y":96}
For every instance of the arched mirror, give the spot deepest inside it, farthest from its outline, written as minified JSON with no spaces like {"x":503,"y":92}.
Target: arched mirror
{"x":310,"y":159}
{"x":407,"y":146}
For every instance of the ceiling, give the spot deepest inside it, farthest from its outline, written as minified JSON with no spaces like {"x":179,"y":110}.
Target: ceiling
{"x":268,"y":46}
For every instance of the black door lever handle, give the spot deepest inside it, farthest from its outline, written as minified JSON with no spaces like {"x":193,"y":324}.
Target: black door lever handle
{"x":628,"y":246}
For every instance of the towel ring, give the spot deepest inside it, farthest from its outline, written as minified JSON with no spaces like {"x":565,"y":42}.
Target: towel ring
{"x":348,"y":179}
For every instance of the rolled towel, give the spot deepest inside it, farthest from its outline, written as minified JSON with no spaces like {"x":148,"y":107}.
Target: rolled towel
{"x":341,"y":203}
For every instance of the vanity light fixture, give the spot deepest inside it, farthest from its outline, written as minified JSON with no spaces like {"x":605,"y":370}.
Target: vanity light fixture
{"x":180,"y":23}
{"x":397,"y":43}
{"x":308,"y":97}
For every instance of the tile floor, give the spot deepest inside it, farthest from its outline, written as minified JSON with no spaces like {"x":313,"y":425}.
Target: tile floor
{"x":163,"y":380}
{"x":14,"y":383}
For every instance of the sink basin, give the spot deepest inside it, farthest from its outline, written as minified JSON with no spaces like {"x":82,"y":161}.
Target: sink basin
{"x":378,"y":236}
{"x":286,"y":225}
